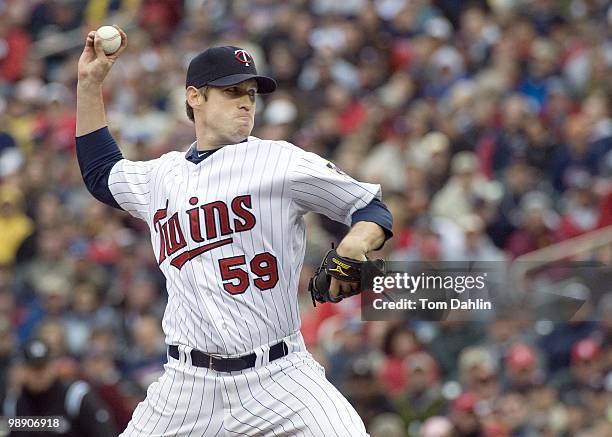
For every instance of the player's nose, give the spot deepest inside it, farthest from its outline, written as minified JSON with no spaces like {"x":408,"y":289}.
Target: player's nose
{"x":245,"y":103}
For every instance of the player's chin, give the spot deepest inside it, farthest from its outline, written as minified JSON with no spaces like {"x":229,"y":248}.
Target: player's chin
{"x":244,"y":127}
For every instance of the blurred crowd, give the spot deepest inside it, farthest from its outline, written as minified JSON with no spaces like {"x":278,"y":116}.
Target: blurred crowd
{"x":488,"y":124}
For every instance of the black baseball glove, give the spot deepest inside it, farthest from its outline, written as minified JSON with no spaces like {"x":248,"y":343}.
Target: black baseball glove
{"x":339,"y":267}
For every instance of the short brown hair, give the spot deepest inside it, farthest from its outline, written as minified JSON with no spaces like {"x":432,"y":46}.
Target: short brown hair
{"x":188,"y":109}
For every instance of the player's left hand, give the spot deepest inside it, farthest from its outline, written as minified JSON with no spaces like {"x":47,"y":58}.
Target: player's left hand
{"x":353,"y":249}
{"x":340,"y":273}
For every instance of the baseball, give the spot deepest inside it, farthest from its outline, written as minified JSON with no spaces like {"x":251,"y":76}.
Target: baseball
{"x":111,"y":39}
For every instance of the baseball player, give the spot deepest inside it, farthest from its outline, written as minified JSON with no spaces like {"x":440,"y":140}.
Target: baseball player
{"x":226,"y":223}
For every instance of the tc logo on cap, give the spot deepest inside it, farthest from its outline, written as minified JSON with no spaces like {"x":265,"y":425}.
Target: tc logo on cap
{"x":243,"y":56}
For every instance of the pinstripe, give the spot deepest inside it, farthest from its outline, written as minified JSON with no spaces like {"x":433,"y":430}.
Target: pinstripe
{"x":326,"y":182}
{"x":300,"y":232}
{"x":222,"y":427}
{"x":251,"y":295}
{"x":194,"y":287}
{"x":196,"y":292}
{"x":130,"y":183}
{"x":165,"y":404}
{"x":282,"y":294}
{"x":313,"y":397}
{"x":136,"y":198}
{"x":153,"y":177}
{"x":329,"y":181}
{"x":236,"y":433}
{"x":223,"y":294}
{"x":212,"y":405}
{"x":177,"y":301}
{"x":350,"y":410}
{"x":334,"y":214}
{"x":298,"y":266}
{"x":180,"y":308}
{"x":232,"y":413}
{"x":131,"y":172}
{"x":296,"y":398}
{"x":263,"y":301}
{"x":131,"y":192}
{"x":193,"y":317}
{"x":183,"y":324}
{"x":201,"y":260}
{"x":277,"y":400}
{"x":140,"y":211}
{"x":219,"y":297}
{"x":131,"y":203}
{"x":333,"y":400}
{"x":295,"y":323}
{"x":242,"y":296}
{"x":251,"y":412}
{"x":180,"y":427}
{"x":332,"y":194}
{"x":316,"y":167}
{"x":158,"y":183}
{"x":178,"y":398}
{"x":151,"y":405}
{"x":318,"y":196}
{"x":211,"y":162}
{"x":297,"y":269}
{"x":326,"y":392}
{"x":263,"y":243}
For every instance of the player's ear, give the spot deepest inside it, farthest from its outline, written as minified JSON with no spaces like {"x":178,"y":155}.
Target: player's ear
{"x":193,"y":97}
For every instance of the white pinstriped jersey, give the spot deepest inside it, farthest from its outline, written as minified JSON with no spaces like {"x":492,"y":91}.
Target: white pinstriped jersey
{"x":229,"y":235}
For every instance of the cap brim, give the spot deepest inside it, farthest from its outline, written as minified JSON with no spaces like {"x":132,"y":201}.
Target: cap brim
{"x":265,"y":84}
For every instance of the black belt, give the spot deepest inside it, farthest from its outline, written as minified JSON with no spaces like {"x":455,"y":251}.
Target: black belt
{"x":201,"y":359}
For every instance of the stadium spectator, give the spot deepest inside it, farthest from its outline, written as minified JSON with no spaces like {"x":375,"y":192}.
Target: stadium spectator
{"x":537,"y":227}
{"x":585,"y":372}
{"x":42,"y":393}
{"x":100,"y":370}
{"x":422,"y":397}
{"x":463,"y":415}
{"x":15,"y":225}
{"x":522,"y":368}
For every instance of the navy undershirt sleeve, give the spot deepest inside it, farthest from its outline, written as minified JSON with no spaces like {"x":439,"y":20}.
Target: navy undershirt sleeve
{"x":375,"y":212}
{"x":97,"y":153}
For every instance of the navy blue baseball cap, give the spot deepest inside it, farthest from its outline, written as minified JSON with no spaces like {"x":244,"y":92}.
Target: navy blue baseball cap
{"x":225,"y":66}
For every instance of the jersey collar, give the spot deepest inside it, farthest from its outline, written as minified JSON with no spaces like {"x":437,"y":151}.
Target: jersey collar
{"x":192,"y":154}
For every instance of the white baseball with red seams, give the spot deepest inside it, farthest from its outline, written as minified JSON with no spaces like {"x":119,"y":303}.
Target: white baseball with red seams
{"x":111,"y":39}
{"x":229,"y":235}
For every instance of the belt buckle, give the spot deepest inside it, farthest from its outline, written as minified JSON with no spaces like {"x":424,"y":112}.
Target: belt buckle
{"x":211,"y":362}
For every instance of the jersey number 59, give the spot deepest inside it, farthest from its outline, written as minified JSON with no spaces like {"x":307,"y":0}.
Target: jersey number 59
{"x":236,"y":279}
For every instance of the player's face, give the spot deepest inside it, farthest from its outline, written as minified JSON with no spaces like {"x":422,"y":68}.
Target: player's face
{"x":229,"y":112}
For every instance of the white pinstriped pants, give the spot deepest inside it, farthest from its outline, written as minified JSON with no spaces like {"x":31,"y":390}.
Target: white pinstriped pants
{"x":289,"y":396}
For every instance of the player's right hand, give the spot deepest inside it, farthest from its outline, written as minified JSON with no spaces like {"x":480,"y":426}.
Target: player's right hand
{"x":94,"y":64}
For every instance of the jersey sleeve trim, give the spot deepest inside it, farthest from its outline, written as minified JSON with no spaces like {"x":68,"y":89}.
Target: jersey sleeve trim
{"x":97,"y":153}
{"x":375,"y":212}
